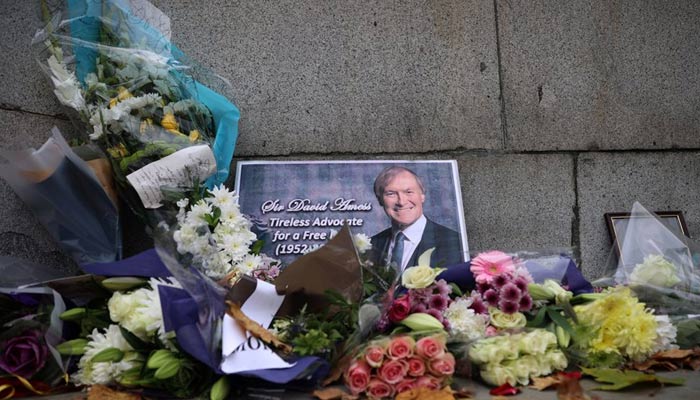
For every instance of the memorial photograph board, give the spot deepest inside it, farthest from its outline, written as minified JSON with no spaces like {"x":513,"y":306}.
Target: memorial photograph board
{"x":298,"y":205}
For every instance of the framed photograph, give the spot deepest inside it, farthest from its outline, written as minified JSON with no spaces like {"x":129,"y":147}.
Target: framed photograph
{"x":617,"y":226}
{"x":298,"y":205}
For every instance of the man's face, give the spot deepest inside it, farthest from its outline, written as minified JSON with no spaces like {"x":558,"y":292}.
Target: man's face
{"x":403,"y":199}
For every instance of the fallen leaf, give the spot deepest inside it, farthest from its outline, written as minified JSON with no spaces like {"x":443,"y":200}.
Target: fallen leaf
{"x":676,"y":353}
{"x":255,"y":329}
{"x":333,"y":394}
{"x":569,"y":387}
{"x":542,"y":383}
{"x":101,"y":392}
{"x":621,"y":379}
{"x":424,"y":393}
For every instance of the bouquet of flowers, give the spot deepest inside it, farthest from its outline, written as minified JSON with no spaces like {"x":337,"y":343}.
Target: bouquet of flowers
{"x":156,"y":115}
{"x":29,"y":333}
{"x":388,"y":366}
{"x":516,"y":358}
{"x":218,"y":238}
{"x":132,"y":346}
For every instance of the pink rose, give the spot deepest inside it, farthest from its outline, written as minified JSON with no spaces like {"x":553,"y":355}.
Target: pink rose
{"x":416,"y":366}
{"x":429,"y":382}
{"x":357,"y":376}
{"x":431,"y":346}
{"x":374,"y":355}
{"x":443,"y":365}
{"x":378,"y":389}
{"x":393,"y":371}
{"x":401,"y":347}
{"x":399,"y":309}
{"x":487,"y":265}
{"x":405,"y":385}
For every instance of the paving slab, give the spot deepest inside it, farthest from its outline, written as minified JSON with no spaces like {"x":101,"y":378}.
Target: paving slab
{"x":358,"y":77}
{"x":612,"y":182}
{"x":21,"y":234}
{"x":600,"y":75}
{"x":24,"y":85}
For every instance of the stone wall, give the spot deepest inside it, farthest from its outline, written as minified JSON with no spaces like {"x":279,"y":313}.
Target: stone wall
{"x":556,"y":112}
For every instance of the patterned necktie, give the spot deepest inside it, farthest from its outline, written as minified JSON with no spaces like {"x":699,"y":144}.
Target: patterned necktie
{"x":397,"y":252}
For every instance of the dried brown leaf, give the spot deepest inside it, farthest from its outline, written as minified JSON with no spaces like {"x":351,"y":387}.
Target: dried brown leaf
{"x":544,"y":382}
{"x":255,"y":329}
{"x":333,"y":393}
{"x":101,"y":392}
{"x":424,"y":393}
{"x":694,"y":364}
{"x":673,"y":354}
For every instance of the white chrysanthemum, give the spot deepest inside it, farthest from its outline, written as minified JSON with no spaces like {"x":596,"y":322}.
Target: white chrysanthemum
{"x":67,"y":90}
{"x":464,"y":321}
{"x":102,"y":116}
{"x":362,"y":242}
{"x":140,"y":311}
{"x":666,"y":334}
{"x":221,"y":197}
{"x":90,"y":373}
{"x":249,"y":263}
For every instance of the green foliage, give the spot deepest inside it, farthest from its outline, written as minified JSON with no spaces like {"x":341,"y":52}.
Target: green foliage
{"x":688,"y":335}
{"x":618,"y":379}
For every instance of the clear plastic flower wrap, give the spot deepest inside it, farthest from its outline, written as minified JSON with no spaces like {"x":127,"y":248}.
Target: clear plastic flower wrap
{"x":657,"y":264}
{"x":162,"y":120}
{"x":67,"y":197}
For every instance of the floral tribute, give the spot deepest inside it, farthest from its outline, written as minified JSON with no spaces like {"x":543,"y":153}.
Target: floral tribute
{"x":517,"y":358}
{"x":397,"y":364}
{"x":218,"y":238}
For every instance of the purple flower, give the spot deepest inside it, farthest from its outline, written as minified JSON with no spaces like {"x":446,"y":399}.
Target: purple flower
{"x":510,"y":292}
{"x":500,"y":280}
{"x":24,"y":355}
{"x":438,"y":302}
{"x":419,"y":308}
{"x":482,"y":287}
{"x":508,"y":307}
{"x":478,"y":305}
{"x":383,"y":324}
{"x":491,"y":297}
{"x":443,"y":287}
{"x":525,"y":303}
{"x":435,"y":313}
{"x":420,"y":295}
{"x":521,"y":283}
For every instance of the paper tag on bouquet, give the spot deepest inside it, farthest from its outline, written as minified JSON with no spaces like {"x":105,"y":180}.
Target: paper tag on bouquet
{"x":242,"y":352}
{"x":178,"y":169}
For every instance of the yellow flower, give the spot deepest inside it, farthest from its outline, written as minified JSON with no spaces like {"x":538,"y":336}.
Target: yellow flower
{"x":118,"y":151}
{"x":194,"y":135}
{"x":169,"y":122}
{"x":620,"y":324}
{"x":123,"y":94}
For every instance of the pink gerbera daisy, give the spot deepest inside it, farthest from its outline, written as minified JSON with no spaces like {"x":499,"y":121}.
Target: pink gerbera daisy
{"x":493,"y":263}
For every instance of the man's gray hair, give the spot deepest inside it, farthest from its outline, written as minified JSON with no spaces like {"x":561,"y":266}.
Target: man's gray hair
{"x":387,"y":175}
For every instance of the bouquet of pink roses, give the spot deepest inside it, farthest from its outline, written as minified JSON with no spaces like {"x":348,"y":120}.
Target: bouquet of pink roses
{"x":389,"y":366}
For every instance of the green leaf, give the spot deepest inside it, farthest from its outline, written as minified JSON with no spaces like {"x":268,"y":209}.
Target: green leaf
{"x":621,"y":379}
{"x":134,"y":341}
{"x":538,"y":321}
{"x":456,"y":290}
{"x":256,"y":248}
{"x":561,"y":321}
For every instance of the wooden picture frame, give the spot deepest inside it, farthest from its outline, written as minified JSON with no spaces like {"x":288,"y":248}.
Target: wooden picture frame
{"x":617,"y":222}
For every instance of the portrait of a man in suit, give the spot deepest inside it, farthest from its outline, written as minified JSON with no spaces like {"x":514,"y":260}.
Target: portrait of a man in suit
{"x":401,"y":194}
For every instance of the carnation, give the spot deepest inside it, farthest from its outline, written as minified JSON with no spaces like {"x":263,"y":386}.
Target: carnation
{"x":464,"y":321}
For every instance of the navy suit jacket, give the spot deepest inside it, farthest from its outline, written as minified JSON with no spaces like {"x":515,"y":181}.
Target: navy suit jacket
{"x":448,"y":248}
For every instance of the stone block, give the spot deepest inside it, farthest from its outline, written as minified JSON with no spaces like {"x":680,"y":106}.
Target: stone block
{"x":518,"y":202}
{"x":353,"y":77}
{"x":600,"y":75}
{"x":612,"y":182}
